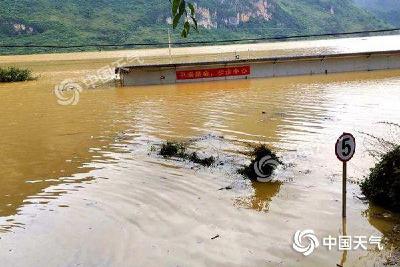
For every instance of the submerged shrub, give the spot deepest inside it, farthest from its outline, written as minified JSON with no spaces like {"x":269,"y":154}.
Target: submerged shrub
{"x":382,"y":186}
{"x":13,"y":74}
{"x":264,"y":161}
{"x":172,"y":149}
{"x":207,"y":162}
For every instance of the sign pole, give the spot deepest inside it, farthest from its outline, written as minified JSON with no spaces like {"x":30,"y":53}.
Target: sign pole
{"x":344,"y":189}
{"x":345,"y":149}
{"x":169,"y":46}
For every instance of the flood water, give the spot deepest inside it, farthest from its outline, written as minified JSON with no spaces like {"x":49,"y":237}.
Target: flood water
{"x":82,"y":185}
{"x":229,"y":52}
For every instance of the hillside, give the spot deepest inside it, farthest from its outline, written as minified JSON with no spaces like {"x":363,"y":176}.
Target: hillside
{"x":388,"y":10}
{"x":64,"y":22}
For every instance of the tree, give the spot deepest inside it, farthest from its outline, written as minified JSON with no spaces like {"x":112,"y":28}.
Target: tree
{"x":182,"y":10}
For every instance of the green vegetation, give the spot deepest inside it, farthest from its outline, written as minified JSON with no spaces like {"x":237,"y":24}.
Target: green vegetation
{"x":383,"y":184}
{"x":71,"y":22}
{"x":204,"y":162}
{"x":13,"y":74}
{"x":258,"y":155}
{"x":388,"y":10}
{"x":171,"y":149}
{"x":178,"y":150}
{"x":187,"y":10}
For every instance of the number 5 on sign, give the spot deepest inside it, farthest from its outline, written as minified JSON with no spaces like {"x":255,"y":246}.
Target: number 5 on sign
{"x":345,"y":149}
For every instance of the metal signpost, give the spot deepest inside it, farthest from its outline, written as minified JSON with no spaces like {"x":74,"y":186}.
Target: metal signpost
{"x":345,"y":149}
{"x":170,"y":46}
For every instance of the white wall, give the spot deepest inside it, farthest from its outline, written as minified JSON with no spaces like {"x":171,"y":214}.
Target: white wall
{"x":164,"y":75}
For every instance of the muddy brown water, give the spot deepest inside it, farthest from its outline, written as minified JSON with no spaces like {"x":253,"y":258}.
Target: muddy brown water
{"x":82,"y":185}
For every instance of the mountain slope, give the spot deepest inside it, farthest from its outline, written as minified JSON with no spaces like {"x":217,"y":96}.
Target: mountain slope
{"x":64,"y":22}
{"x":388,"y":10}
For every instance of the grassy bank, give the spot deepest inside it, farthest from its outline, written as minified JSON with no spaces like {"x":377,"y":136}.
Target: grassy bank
{"x":13,"y":74}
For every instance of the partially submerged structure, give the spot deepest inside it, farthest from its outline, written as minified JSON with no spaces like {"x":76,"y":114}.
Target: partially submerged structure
{"x":308,"y":62}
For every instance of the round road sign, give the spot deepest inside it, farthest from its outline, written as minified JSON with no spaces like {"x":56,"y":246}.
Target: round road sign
{"x":345,"y":147}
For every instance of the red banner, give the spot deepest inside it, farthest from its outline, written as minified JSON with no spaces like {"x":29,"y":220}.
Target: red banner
{"x":213,"y":73}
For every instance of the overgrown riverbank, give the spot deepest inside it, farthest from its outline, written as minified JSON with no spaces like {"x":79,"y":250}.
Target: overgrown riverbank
{"x":382,"y":186}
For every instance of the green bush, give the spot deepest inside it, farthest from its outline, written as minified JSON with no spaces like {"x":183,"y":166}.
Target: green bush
{"x":382,"y":186}
{"x":13,"y":74}
{"x":207,"y":162}
{"x":257,"y":155}
{"x":171,"y":149}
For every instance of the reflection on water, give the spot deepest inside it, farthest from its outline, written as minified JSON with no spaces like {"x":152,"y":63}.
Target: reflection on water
{"x":386,"y":222}
{"x":51,"y":153}
{"x":344,"y":233}
{"x":41,"y":142}
{"x":263,"y":195}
